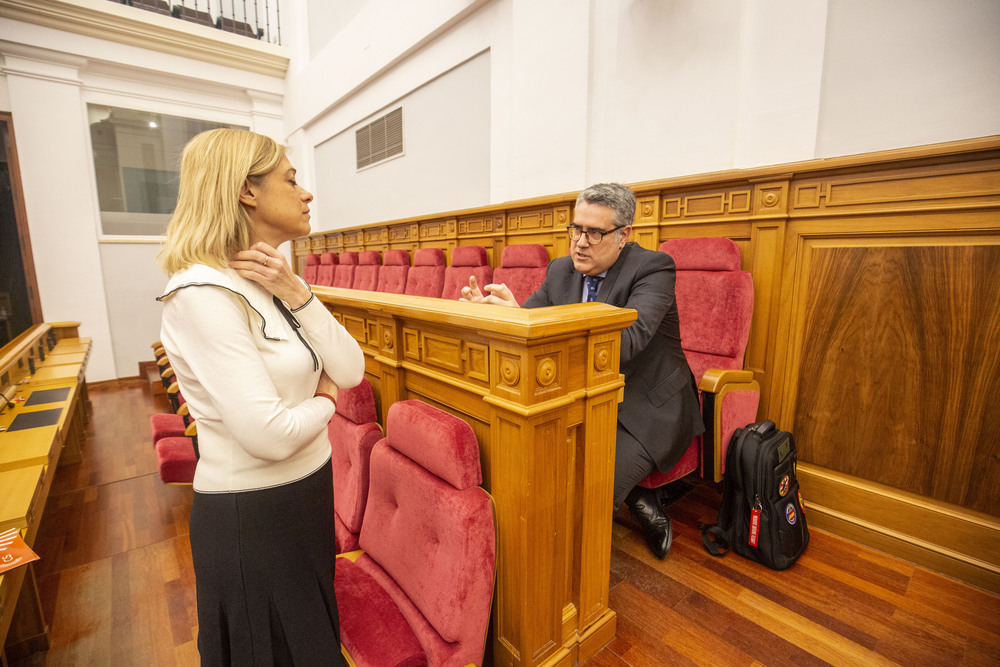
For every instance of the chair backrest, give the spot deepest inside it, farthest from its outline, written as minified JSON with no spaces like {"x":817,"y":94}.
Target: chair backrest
{"x":714,"y":302}
{"x":392,"y":275}
{"x":346,"y":269}
{"x":312,"y":268}
{"x":430,"y":528}
{"x":353,"y":432}
{"x":366,"y":275}
{"x":327,"y":269}
{"x":466,"y":261}
{"x":426,"y":276}
{"x":522,"y":269}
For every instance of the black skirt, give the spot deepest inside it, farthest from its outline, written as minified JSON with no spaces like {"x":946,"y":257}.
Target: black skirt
{"x":264,"y":568}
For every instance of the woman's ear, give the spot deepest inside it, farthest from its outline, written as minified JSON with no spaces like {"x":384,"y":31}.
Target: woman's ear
{"x":247,"y":195}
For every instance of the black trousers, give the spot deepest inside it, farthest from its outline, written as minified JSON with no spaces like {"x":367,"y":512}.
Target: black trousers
{"x":632,"y":464}
{"x":264,"y":569}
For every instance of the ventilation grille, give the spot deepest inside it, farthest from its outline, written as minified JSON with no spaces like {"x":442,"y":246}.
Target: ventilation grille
{"x":380,"y":139}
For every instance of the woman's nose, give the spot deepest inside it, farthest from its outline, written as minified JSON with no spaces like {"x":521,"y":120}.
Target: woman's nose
{"x":306,"y":196}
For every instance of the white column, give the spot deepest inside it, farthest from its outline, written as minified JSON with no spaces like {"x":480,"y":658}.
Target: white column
{"x":55,"y":160}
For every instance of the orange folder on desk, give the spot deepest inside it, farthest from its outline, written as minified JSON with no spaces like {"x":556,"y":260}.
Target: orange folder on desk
{"x":13,"y":551}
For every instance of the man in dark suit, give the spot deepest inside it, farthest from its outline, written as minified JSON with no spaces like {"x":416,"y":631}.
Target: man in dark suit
{"x":659,"y":415}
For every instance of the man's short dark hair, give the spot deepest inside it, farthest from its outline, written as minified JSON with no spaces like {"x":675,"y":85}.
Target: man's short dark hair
{"x":615,"y":196}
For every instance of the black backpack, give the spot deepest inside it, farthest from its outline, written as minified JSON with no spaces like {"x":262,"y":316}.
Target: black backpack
{"x":761,"y":517}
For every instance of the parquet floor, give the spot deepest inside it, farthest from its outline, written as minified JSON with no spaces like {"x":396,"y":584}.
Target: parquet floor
{"x":118,"y":589}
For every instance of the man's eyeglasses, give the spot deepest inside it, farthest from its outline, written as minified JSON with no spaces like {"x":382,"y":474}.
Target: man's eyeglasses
{"x":594,"y":236}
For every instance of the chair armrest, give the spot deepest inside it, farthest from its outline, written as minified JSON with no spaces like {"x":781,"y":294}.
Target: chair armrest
{"x":714,"y":379}
{"x":729,"y":400}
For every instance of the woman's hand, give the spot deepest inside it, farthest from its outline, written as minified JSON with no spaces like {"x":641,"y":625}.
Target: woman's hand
{"x":267,"y":267}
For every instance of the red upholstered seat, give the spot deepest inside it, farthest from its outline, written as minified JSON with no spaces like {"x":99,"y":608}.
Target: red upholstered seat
{"x":429,"y":543}
{"x":715,"y":306}
{"x":166,"y":425}
{"x":327,"y":269}
{"x":312,"y":268}
{"x":353,"y":432}
{"x":345,"y":269}
{"x":366,"y":275}
{"x":392,"y":275}
{"x":426,"y":276}
{"x":466,"y":261}
{"x":176,"y":459}
{"x":522,"y":269}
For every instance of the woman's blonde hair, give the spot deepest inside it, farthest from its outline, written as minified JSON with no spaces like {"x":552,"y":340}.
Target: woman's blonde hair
{"x":209,"y":225}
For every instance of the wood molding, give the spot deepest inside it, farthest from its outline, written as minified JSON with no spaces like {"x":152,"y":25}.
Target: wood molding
{"x":135,"y":27}
{"x":941,"y":537}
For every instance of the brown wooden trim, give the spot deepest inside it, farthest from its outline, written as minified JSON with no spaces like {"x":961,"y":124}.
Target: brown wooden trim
{"x":21,"y":219}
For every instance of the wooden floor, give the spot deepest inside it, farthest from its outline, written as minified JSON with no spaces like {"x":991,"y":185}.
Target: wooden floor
{"x":118,"y":589}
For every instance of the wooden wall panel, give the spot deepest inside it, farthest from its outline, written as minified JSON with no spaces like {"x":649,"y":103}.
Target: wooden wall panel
{"x":899,"y":349}
{"x":874,"y":333}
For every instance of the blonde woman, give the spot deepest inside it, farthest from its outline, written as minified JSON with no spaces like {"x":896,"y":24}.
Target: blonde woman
{"x":259,"y":361}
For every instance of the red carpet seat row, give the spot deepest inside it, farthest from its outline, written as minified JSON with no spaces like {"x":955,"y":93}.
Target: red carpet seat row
{"x":522,"y":269}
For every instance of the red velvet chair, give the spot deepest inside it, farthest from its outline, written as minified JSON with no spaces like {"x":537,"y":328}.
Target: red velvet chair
{"x":348,"y":265}
{"x":312,"y":268}
{"x":522,"y":269}
{"x":177,"y":457}
{"x":715,"y":306}
{"x":353,"y":432}
{"x":170,"y":424}
{"x":392,"y":275}
{"x":426,"y":276}
{"x":366,"y":275}
{"x":327,"y":269}
{"x":466,"y":261}
{"x":420,"y":592}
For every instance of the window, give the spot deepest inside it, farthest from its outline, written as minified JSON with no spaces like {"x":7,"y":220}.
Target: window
{"x":380,"y":139}
{"x":137,"y":155}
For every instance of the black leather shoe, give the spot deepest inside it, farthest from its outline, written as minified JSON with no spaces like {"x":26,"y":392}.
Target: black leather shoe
{"x":656,"y":526}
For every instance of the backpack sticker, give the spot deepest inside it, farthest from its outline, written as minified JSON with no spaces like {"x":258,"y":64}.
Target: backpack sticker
{"x":790,"y":513}
{"x":783,"y":486}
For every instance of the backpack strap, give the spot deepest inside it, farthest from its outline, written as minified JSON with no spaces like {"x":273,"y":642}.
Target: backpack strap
{"x":718,"y":546}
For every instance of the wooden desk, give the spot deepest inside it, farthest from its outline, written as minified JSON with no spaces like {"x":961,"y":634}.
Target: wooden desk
{"x":65,"y":358}
{"x":22,"y":487}
{"x":47,"y":413}
{"x":74,"y":348}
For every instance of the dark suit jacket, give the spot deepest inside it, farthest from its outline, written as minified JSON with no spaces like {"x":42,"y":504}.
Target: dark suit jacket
{"x":660,"y":407}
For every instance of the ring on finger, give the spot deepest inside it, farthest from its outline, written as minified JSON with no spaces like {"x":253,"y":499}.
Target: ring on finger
{"x":265,"y":259}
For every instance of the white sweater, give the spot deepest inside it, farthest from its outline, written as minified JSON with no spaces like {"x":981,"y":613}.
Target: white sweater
{"x":248,"y":379}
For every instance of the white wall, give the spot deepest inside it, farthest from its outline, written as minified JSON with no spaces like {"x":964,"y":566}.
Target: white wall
{"x":909,"y":72}
{"x":636,"y":90}
{"x":563,"y":93}
{"x":445,"y":164}
{"x":49,"y":76}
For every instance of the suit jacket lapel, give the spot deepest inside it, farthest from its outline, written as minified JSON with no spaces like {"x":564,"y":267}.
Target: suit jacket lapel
{"x":611,"y":276}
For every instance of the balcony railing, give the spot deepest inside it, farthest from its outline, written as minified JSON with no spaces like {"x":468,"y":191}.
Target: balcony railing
{"x":257,"y":19}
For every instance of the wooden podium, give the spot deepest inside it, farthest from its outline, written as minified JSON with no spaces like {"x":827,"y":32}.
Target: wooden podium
{"x":540,"y":388}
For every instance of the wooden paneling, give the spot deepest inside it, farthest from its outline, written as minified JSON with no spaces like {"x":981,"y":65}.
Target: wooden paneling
{"x":899,"y":350}
{"x":875,"y":322}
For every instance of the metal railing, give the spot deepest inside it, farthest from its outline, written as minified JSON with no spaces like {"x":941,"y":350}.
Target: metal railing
{"x":257,"y":19}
